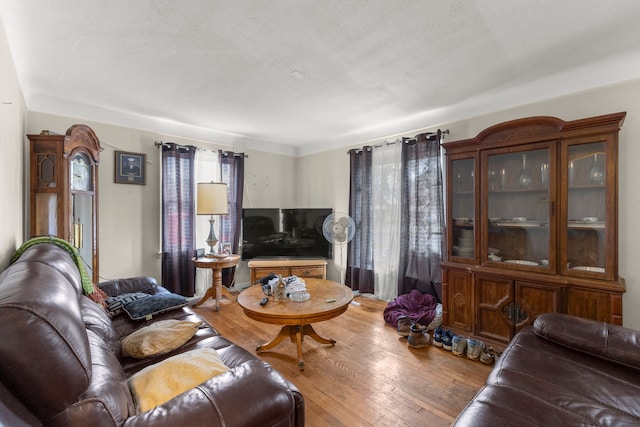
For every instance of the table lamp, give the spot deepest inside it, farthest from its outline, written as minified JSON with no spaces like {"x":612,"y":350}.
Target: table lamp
{"x":212,"y":200}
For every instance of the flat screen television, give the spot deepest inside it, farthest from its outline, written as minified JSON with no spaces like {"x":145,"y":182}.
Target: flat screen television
{"x":290,"y":233}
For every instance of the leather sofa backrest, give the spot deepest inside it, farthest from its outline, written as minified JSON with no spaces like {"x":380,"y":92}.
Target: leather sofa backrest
{"x":55,"y":257}
{"x":61,"y":371}
{"x":145,"y":284}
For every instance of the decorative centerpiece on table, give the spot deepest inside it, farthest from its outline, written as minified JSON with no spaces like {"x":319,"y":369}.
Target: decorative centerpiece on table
{"x":291,"y":287}
{"x":296,"y":289}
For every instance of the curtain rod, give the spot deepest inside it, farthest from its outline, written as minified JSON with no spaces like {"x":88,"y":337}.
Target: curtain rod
{"x":162,"y":143}
{"x":406,"y":140}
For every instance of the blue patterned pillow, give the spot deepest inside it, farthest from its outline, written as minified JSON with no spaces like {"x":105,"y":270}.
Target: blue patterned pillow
{"x":114,"y":304}
{"x":145,"y":308}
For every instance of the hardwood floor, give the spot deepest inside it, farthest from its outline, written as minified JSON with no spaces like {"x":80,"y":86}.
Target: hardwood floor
{"x":369,"y":378}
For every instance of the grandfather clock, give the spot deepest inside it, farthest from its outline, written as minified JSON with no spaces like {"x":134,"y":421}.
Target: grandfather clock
{"x":64,"y":190}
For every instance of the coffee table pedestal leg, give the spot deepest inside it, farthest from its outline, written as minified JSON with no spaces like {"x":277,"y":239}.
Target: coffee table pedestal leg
{"x":296,"y":333}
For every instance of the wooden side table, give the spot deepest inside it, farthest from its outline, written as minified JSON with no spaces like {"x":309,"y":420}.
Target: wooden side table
{"x":216,"y":265}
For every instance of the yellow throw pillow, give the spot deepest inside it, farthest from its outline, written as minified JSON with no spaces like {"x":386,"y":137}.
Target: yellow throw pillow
{"x":159,"y":338}
{"x":159,"y":383}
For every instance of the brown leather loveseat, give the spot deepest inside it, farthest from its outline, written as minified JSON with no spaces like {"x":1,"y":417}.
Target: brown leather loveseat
{"x":562,"y":371}
{"x":61,"y":362}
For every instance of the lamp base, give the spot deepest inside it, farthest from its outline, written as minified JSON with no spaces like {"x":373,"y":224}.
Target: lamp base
{"x":212,"y":240}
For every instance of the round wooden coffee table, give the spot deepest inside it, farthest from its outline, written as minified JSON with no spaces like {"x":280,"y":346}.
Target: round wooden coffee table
{"x":328,"y":300}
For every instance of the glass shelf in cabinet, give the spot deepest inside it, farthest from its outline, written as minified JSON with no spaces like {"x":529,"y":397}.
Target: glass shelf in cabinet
{"x":529,"y":225}
{"x":588,"y":269}
{"x":587,"y":186}
{"x":520,"y":190}
{"x":578,"y":224}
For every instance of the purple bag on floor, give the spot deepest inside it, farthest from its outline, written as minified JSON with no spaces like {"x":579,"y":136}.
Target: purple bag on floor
{"x":420,"y":308}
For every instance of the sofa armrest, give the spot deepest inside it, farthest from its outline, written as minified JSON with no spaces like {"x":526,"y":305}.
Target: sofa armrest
{"x":250,"y":394}
{"x":604,"y":340}
{"x":144,"y":284}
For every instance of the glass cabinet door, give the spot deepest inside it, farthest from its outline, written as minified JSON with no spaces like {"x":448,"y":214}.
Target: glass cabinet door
{"x":462,"y":208}
{"x":81,"y":228}
{"x":518,"y":208}
{"x":586,"y":235}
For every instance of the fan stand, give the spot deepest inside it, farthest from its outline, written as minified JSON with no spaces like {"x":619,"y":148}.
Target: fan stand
{"x":339,"y":229}
{"x":343,"y":274}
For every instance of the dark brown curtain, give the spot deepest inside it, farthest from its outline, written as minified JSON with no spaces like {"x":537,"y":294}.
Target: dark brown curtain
{"x":232,"y":166}
{"x":178,"y":218}
{"x":359,"y":275}
{"x":422,"y":226}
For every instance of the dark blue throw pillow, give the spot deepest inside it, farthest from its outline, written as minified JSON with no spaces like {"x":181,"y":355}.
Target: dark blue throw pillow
{"x":145,"y":308}
{"x":115,"y":304}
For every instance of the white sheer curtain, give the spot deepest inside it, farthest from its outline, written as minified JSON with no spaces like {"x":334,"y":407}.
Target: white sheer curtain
{"x":386,"y":200}
{"x":207,"y":169}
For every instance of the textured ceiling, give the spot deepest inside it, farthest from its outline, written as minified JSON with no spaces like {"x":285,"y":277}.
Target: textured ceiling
{"x":301,"y":76}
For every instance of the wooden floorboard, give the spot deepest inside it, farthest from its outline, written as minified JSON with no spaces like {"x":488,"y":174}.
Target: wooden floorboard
{"x":371,"y":377}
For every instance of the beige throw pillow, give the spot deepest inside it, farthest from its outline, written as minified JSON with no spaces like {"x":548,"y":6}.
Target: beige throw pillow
{"x":159,"y":383}
{"x":159,"y":338}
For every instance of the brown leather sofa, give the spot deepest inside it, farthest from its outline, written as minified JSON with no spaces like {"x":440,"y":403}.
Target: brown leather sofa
{"x":61,"y":363}
{"x":562,"y":371}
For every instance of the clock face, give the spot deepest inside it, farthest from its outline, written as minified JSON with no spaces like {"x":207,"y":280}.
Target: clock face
{"x":80,"y":173}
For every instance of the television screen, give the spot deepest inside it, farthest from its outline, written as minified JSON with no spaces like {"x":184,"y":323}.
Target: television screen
{"x":284,"y":233}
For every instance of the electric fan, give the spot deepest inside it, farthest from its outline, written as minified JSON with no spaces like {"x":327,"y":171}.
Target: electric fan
{"x":339,"y":229}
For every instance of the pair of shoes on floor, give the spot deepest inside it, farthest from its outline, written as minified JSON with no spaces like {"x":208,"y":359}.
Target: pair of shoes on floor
{"x":475,"y":348}
{"x":447,"y":340}
{"x":458,"y":345}
{"x":488,"y":356}
{"x":404,"y":326}
{"x":438,"y":336}
{"x":418,"y":336}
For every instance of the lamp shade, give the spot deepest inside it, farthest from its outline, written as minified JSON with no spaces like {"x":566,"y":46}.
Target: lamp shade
{"x":212,"y":199}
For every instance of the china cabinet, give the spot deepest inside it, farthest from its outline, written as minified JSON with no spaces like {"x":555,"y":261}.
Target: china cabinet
{"x":532,"y":225}
{"x":64,"y":190}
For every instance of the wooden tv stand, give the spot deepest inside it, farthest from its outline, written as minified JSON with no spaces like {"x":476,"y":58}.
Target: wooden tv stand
{"x":259,"y":268}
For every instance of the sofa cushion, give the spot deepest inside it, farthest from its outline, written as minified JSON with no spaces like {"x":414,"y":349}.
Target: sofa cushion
{"x":159,"y":338}
{"x":96,"y":320}
{"x":146,"y":308}
{"x":161,"y":382}
{"x":107,"y":401}
{"x":114,"y":304}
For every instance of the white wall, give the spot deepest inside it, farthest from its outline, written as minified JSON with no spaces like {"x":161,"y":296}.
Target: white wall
{"x":323,"y":182}
{"x":12,"y":175}
{"x":270,"y":180}
{"x":621,"y":97}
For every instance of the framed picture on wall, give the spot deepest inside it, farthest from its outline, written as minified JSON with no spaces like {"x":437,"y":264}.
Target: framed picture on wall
{"x":130,"y":168}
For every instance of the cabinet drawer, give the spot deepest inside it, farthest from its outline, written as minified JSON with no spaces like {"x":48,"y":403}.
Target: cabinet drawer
{"x":308,"y":271}
{"x":265,"y":271}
